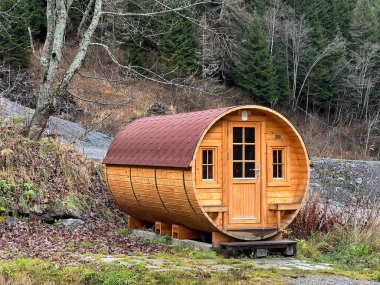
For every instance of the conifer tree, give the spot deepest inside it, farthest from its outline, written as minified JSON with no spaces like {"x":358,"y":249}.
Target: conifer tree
{"x":14,"y":38}
{"x":178,"y":47}
{"x":365,"y":26}
{"x":256,"y":5}
{"x":255,"y":72}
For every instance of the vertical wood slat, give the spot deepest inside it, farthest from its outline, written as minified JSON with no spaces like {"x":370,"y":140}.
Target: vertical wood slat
{"x":171,"y":197}
{"x":122,"y":191}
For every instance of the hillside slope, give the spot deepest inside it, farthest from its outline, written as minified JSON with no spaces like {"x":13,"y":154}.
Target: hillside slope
{"x":54,"y":202}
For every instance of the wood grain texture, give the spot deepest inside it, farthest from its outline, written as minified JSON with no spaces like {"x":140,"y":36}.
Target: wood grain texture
{"x":180,"y":196}
{"x":275,"y":132}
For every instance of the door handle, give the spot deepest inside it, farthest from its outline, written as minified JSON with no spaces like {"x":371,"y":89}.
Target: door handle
{"x":257,"y":171}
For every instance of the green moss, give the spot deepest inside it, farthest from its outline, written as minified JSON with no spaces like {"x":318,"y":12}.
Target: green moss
{"x":37,"y":271}
{"x":87,"y":244}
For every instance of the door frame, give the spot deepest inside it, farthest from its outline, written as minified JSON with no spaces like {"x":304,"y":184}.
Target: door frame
{"x":259,"y":180}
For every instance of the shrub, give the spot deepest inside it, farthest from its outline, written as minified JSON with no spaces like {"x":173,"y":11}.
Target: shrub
{"x":313,"y":217}
{"x":124,"y":231}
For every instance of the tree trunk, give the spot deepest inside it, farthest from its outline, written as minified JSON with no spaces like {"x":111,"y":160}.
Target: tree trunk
{"x":51,"y":88}
{"x":45,"y":108}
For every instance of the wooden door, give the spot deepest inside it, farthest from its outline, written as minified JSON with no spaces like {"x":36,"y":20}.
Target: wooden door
{"x":244,"y":157}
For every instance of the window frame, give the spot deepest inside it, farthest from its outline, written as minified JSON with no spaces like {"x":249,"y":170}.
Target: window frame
{"x":208,"y":183}
{"x":244,"y":161}
{"x":282,"y":164}
{"x":207,"y":164}
{"x":275,"y":181}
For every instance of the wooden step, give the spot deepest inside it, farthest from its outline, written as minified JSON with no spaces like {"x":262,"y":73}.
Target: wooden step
{"x":258,"y":244}
{"x":260,"y":248}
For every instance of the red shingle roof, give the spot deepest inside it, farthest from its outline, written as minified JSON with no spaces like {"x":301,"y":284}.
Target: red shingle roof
{"x":167,"y":141}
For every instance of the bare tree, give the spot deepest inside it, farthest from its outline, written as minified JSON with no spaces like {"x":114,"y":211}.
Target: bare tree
{"x":227,"y":22}
{"x":363,"y":77}
{"x":331,"y":48}
{"x":206,"y":57}
{"x":295,"y":34}
{"x":273,"y":19}
{"x":54,"y":83}
{"x":372,"y":126}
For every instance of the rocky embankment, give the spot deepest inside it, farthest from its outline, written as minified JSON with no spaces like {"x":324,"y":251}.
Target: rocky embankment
{"x":88,"y":142}
{"x":346,"y":181}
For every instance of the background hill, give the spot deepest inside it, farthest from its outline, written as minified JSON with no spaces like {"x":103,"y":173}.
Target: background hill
{"x":317,"y":62}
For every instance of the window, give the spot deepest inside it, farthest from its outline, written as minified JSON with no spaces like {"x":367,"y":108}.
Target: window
{"x":207,"y":164}
{"x":278,"y":159}
{"x":278,"y":164}
{"x":243,"y":152}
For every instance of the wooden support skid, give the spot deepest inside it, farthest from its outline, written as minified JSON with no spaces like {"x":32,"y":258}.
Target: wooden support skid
{"x":135,"y":223}
{"x":218,"y":238}
{"x":163,"y":229}
{"x":182,"y":232}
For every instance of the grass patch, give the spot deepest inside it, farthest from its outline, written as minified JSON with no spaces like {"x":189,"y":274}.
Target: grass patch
{"x":87,"y":244}
{"x":124,"y":231}
{"x":354,"y":253}
{"x":35,"y":271}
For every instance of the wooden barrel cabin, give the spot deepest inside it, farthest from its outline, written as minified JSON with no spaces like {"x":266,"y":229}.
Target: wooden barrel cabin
{"x":235,"y":173}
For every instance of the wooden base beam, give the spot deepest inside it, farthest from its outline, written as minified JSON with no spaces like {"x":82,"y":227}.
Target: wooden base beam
{"x":217,"y":238}
{"x":163,"y":229}
{"x":278,"y":236}
{"x":135,"y":223}
{"x":182,"y":232}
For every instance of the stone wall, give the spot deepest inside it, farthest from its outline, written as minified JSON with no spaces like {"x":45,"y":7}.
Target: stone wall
{"x":346,"y":181}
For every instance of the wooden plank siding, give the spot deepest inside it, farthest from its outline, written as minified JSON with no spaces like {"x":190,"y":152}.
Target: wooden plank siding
{"x":215,"y":193}
{"x":179,"y":196}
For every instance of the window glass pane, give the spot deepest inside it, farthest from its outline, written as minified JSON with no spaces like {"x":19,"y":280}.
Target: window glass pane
{"x":238,"y":170}
{"x":204,"y":156}
{"x":237,"y":135}
{"x":210,"y":172}
{"x":279,"y":167}
{"x":210,"y":161}
{"x":250,"y":152}
{"x":274,"y":171}
{"x":204,"y":171}
{"x":249,"y":169}
{"x":237,"y":152}
{"x":279,"y":156}
{"x":249,"y":135}
{"x":274,"y":156}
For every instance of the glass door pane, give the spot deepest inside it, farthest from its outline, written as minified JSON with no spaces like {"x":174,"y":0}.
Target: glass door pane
{"x":243,"y":152}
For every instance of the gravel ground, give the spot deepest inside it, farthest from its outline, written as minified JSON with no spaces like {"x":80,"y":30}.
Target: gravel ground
{"x":311,"y":279}
{"x":210,"y":265}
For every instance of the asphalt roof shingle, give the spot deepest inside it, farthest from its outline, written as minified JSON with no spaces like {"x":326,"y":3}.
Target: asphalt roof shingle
{"x":162,"y":141}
